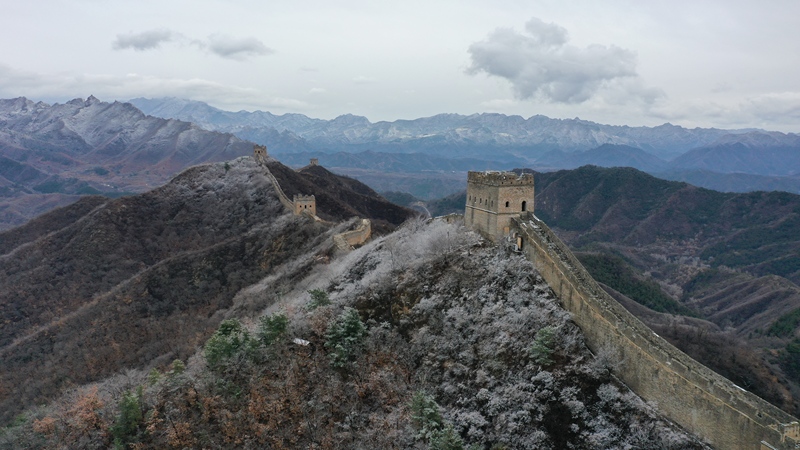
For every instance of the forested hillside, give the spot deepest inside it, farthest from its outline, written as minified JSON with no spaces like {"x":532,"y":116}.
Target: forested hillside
{"x":421,"y":339}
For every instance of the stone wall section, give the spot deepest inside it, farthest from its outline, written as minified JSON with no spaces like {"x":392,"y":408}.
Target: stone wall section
{"x":288,"y":204}
{"x":350,"y":239}
{"x":300,"y":204}
{"x":703,"y":402}
{"x":307,"y":204}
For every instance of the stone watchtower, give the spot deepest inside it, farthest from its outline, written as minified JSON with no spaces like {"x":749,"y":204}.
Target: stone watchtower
{"x":493,"y":198}
{"x":260,"y":153}
{"x":305,"y":204}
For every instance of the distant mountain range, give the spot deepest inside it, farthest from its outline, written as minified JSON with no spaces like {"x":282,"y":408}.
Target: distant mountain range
{"x":50,"y":154}
{"x":452,"y":142}
{"x":442,"y":135}
{"x":606,"y":155}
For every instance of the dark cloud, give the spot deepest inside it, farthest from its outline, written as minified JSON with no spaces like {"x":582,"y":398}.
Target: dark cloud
{"x":146,"y":40}
{"x":237,"y":48}
{"x":539,"y":63}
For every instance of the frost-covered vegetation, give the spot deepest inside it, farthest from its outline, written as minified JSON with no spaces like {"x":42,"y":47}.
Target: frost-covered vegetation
{"x":430,"y":340}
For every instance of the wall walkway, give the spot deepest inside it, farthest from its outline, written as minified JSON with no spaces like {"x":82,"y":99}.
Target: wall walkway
{"x":281,"y":195}
{"x":344,"y":241}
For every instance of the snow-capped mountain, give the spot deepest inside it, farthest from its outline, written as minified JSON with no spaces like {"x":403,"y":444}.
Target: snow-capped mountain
{"x":444,"y":134}
{"x":89,"y":146}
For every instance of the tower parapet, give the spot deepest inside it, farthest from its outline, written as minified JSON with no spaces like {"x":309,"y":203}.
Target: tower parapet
{"x":493,"y":198}
{"x":492,"y":178}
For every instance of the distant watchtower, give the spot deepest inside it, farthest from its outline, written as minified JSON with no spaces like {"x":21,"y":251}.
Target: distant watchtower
{"x":260,"y":153}
{"x":493,"y":198}
{"x":314,"y":162}
{"x":305,"y":204}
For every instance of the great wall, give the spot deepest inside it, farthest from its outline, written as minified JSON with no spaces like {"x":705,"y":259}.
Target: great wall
{"x":307,"y":205}
{"x":688,"y":393}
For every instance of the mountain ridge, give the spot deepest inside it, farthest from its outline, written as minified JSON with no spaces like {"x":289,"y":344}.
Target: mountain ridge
{"x":92,"y":147}
{"x":507,"y":141}
{"x":536,"y":133}
{"x":149,"y":276}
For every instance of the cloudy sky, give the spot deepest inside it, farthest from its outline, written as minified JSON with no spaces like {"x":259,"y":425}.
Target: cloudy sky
{"x":727,"y":64}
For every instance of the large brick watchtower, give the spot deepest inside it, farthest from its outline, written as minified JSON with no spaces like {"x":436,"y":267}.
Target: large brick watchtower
{"x":493,"y":198}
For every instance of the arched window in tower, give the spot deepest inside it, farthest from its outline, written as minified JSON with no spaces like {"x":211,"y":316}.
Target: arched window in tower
{"x":506,"y":204}
{"x":524,"y":204}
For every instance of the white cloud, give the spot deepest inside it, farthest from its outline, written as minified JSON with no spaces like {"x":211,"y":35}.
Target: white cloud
{"x":317,"y":90}
{"x":237,"y":48}
{"x":540,"y":64}
{"x":145,"y":40}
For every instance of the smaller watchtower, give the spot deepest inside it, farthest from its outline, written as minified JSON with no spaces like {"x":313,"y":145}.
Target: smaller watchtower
{"x":314,"y":162}
{"x":305,"y":204}
{"x":493,"y":198}
{"x":260,"y":153}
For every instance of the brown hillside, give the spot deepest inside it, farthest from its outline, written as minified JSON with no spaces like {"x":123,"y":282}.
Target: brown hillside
{"x":96,"y":287}
{"x":339,"y":197}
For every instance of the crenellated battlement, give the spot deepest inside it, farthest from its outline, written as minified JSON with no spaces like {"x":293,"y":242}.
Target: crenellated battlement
{"x":492,"y":178}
